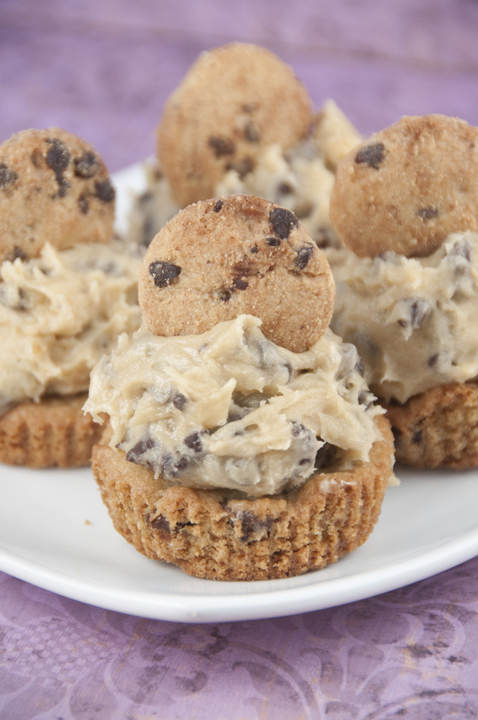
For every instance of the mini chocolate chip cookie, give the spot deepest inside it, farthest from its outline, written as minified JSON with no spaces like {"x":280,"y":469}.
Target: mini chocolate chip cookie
{"x":53,"y":187}
{"x":234,"y":101}
{"x":408,"y":187}
{"x":222,"y":258}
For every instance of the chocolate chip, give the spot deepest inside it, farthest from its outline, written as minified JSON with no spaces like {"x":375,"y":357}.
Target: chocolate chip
{"x":251,"y":524}
{"x":285,"y":189}
{"x":242,"y":167}
{"x":58,"y":158}
{"x":105,"y":191}
{"x":181,"y":464}
{"x":325,"y":456}
{"x":83,"y":204}
{"x":136,"y":453}
{"x":417,"y":437}
{"x":240,"y":284}
{"x":218,"y":205}
{"x":164,"y":273}
{"x":179,"y":401}
{"x":193,"y":441}
{"x":461,"y":249}
{"x":167,"y":465}
{"x":289,"y":368}
{"x":170,"y":468}
{"x":87,"y":165}
{"x":222,"y":146}
{"x":18,"y":252}
{"x":254,"y":249}
{"x":161,"y":524}
{"x":283,"y":221}
{"x":7,"y":176}
{"x":427,"y":213}
{"x":244,"y":267}
{"x":325,"y":238}
{"x":273,"y":241}
{"x":303,"y":256}
{"x":182,"y":525}
{"x":365,"y":398}
{"x":371,"y":155}
{"x":396,"y":432}
{"x":418,"y":310}
{"x":251,"y":132}
{"x":298,"y":428}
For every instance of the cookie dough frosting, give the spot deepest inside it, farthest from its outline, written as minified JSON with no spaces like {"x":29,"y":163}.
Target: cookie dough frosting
{"x":229,"y":408}
{"x":59,"y":313}
{"x":411,"y":319}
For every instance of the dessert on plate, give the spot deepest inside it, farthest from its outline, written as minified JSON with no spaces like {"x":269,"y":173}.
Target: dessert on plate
{"x":242,"y":441}
{"x":241,"y":122}
{"x":405,"y":204}
{"x":67,"y":290}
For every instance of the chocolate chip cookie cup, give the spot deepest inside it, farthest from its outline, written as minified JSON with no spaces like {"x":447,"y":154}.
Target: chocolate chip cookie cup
{"x":66,"y":291}
{"x":214,"y":534}
{"x":241,"y":445}
{"x":405,"y":204}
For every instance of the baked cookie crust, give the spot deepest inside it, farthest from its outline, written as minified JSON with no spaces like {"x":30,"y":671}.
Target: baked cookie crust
{"x":438,"y":428}
{"x":52,"y":433}
{"x":213,"y":534}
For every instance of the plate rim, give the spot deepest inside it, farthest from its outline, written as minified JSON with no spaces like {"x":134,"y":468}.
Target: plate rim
{"x":281,"y":602}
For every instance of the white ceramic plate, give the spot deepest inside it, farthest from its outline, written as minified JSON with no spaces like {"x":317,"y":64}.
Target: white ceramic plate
{"x":56,"y":533}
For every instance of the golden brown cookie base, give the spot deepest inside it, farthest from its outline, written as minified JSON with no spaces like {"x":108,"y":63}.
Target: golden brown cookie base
{"x":53,"y":432}
{"x":211,"y":535}
{"x":438,"y":428}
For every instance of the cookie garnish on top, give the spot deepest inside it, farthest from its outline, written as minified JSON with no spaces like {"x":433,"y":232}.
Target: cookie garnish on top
{"x":234,"y":101}
{"x":408,"y":187}
{"x":54,"y":188}
{"x":218,"y":259}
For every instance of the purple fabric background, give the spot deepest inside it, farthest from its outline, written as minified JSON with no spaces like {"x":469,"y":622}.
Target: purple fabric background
{"x":103,"y":69}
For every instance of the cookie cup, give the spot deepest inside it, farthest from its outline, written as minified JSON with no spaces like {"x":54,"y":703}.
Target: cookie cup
{"x":215,"y":534}
{"x":437,"y":428}
{"x":52,"y":433}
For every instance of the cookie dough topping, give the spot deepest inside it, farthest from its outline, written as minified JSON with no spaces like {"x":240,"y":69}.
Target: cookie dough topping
{"x":225,"y":257}
{"x":230,"y":409}
{"x":408,"y":187}
{"x":54,"y":188}
{"x":60,"y":313}
{"x":411,"y":319}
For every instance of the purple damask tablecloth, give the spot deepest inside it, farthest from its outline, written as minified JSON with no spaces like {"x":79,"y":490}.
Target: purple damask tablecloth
{"x":102,"y":69}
